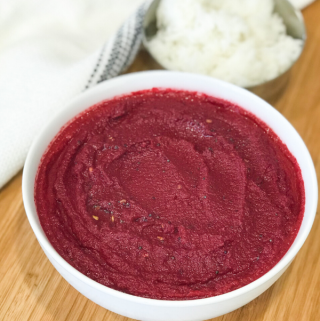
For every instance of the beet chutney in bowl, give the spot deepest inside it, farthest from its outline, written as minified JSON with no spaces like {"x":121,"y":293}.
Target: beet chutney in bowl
{"x":176,"y":195}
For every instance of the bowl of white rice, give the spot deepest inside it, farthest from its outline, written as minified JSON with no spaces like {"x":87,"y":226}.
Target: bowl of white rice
{"x":252,"y":44}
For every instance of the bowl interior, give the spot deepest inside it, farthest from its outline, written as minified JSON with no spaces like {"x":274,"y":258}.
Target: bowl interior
{"x":175,"y":80}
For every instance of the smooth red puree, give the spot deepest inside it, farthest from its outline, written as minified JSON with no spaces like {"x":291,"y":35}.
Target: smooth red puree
{"x":170,"y":195}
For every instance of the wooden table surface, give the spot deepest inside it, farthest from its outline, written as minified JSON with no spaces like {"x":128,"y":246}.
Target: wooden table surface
{"x":31,"y":289}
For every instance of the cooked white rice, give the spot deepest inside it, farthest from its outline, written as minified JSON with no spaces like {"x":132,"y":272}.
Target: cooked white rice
{"x":240,"y":41}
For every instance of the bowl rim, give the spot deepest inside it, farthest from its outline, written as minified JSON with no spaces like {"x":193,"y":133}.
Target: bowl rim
{"x":28,"y":194}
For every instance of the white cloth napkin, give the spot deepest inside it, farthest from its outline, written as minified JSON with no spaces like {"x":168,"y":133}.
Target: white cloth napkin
{"x":49,"y":52}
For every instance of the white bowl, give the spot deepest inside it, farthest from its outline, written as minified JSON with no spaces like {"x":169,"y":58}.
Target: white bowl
{"x":150,"y":309}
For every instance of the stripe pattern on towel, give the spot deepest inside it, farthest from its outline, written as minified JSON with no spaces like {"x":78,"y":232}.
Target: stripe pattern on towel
{"x":119,"y":51}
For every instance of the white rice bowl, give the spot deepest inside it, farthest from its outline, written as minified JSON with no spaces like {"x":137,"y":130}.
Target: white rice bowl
{"x":240,"y":41}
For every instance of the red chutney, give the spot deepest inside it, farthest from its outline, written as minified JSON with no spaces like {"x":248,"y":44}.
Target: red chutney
{"x":170,"y":195}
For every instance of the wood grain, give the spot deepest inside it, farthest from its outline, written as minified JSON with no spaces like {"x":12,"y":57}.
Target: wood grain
{"x":31,"y":289}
